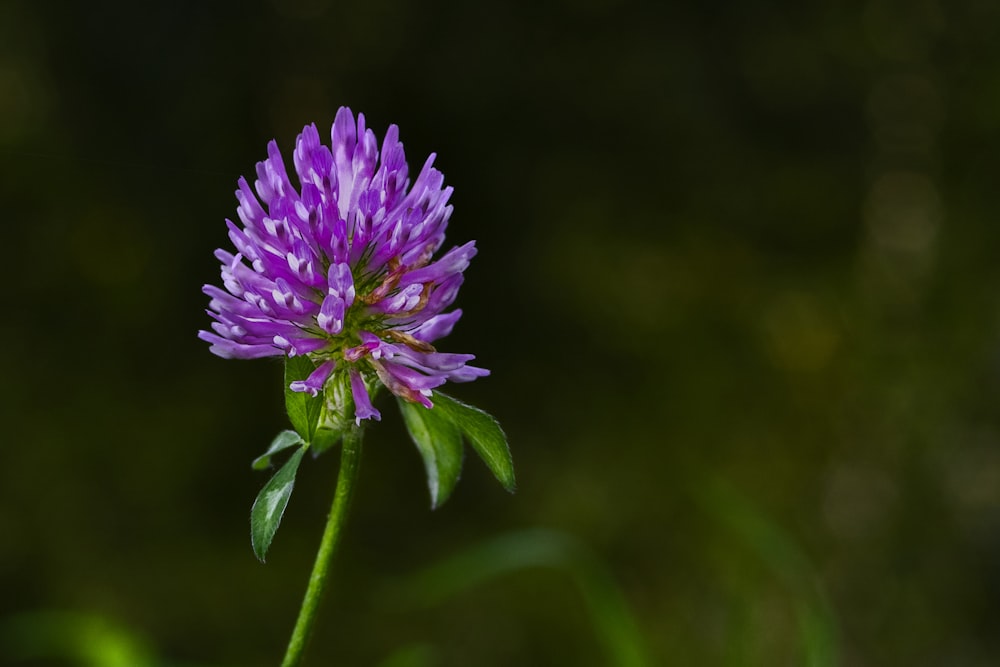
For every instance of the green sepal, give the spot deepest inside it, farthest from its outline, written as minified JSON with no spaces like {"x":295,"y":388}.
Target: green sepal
{"x":303,"y":409}
{"x":439,"y":442}
{"x":323,"y":439}
{"x":484,"y":434}
{"x":282,"y":441}
{"x":269,"y":507}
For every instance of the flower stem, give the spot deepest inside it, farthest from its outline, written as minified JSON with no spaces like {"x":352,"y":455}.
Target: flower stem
{"x":350,"y":459}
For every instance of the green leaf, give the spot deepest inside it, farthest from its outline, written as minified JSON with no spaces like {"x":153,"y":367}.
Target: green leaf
{"x":323,"y":439}
{"x":483,"y":433}
{"x":303,"y":409}
{"x":284,"y":440}
{"x":267,"y":510}
{"x":440,"y":444}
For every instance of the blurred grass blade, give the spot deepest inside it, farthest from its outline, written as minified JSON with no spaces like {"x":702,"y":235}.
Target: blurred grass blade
{"x":88,"y":640}
{"x":413,"y":655}
{"x":614,"y":624}
{"x":815,"y":618}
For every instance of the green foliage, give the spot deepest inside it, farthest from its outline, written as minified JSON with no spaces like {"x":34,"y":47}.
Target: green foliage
{"x":323,"y":439}
{"x":438,"y":433}
{"x":303,"y":409}
{"x":282,"y":441}
{"x":440,"y":444}
{"x":484,"y":434}
{"x":269,"y":507}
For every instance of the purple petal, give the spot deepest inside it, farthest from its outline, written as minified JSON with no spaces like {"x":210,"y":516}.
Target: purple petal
{"x":314,"y":383}
{"x":344,"y":138}
{"x":362,"y":401}
{"x":449,"y":366}
{"x":441,"y":297}
{"x":399,"y":386}
{"x":249,"y":210}
{"x":436,"y":327}
{"x":467,"y":374}
{"x":341,"y":283}
{"x":272,"y":180}
{"x":331,"y":315}
{"x":228,"y":349}
{"x":413,"y":378}
{"x":402,"y":301}
{"x":298,"y":346}
{"x":312,"y":160}
{"x":370,"y":343}
{"x":454,"y":261}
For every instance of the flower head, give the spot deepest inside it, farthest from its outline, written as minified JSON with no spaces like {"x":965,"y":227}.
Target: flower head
{"x":342,"y":269}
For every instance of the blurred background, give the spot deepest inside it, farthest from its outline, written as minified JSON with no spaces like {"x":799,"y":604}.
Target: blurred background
{"x":737,"y":285}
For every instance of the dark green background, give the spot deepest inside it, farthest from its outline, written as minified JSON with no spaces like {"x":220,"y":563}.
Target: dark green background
{"x":737,"y":285}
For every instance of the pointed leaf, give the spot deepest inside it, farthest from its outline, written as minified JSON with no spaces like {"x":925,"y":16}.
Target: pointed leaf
{"x":284,"y":440}
{"x":303,"y":409}
{"x":267,"y":510}
{"x":440,"y":444}
{"x":483,"y":433}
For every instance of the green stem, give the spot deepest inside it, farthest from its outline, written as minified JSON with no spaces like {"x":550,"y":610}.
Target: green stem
{"x":350,"y":459}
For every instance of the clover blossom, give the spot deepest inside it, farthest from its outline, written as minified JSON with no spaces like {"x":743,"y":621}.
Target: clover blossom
{"x":342,"y":270}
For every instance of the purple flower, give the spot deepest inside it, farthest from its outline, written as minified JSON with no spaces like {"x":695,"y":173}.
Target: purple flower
{"x":341,"y":268}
